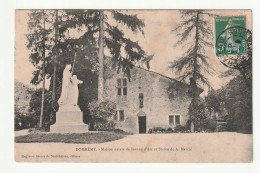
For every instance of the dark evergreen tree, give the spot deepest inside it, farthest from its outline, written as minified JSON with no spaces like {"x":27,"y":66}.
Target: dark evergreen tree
{"x":125,"y":52}
{"x":194,"y":32}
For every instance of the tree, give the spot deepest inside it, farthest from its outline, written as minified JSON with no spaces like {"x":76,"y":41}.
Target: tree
{"x":98,"y":23}
{"x":54,"y":66}
{"x":35,"y":108}
{"x":102,"y":113}
{"x":236,"y":100}
{"x":237,"y":94}
{"x":213,"y":102}
{"x":43,"y":77}
{"x":39,"y":41}
{"x":37,"y":44}
{"x":194,"y":32}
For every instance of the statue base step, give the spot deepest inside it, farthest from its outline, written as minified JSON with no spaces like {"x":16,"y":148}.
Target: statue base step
{"x":69,"y":120}
{"x":69,"y":128}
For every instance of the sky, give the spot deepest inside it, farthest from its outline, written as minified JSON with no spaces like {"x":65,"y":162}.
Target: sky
{"x":158,"y":40}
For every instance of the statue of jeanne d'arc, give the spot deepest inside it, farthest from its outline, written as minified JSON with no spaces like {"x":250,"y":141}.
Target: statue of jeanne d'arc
{"x":70,"y":91}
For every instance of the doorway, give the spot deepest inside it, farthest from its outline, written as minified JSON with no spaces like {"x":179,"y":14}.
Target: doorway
{"x":142,"y":124}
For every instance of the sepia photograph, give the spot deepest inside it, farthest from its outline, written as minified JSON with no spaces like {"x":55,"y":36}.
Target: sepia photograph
{"x":133,"y":86}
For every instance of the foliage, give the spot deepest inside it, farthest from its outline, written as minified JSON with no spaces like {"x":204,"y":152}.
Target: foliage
{"x":35,"y":107}
{"x":234,"y":104}
{"x":213,"y":101}
{"x":237,"y":101}
{"x":157,"y":130}
{"x":194,"y":32}
{"x":197,"y":112}
{"x":114,"y":38}
{"x":22,"y":117}
{"x":39,"y":41}
{"x":209,"y":125}
{"x":177,"y":129}
{"x":24,"y":121}
{"x":180,"y":128}
{"x":66,"y":45}
{"x":102,"y":113}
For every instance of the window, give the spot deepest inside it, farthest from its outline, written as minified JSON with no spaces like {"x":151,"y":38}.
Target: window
{"x":177,"y":119}
{"x":171,"y":119}
{"x":115,"y":116}
{"x":122,"y":87}
{"x":119,"y":116}
{"x":174,"y":119}
{"x":141,"y":99}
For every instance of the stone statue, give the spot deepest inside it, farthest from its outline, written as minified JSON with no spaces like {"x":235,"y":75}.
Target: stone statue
{"x":74,"y":91}
{"x":70,"y":91}
{"x":69,"y":118}
{"x":65,"y":85}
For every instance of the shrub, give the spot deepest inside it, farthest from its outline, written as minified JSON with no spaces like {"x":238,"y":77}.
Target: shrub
{"x":25,"y":121}
{"x":102,"y":113}
{"x":108,"y":126}
{"x":209,"y":125}
{"x":158,"y":130}
{"x":150,"y":131}
{"x":177,"y":129}
{"x":180,"y":128}
{"x":169,"y":130}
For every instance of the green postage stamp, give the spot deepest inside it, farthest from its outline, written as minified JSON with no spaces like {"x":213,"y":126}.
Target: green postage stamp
{"x":230,"y":34}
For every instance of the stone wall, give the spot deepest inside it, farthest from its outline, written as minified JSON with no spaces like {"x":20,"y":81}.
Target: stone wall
{"x":157,"y":104}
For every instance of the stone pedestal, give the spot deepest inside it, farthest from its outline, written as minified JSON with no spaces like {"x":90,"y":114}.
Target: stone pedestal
{"x":69,"y":120}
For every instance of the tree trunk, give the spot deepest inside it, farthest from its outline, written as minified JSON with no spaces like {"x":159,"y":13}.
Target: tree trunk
{"x":195,"y":63}
{"x":43,"y":76}
{"x":101,"y":57}
{"x":195,"y":91}
{"x":55,"y":68}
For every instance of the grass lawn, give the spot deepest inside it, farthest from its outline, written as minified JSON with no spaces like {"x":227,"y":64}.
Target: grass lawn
{"x":81,"y":138}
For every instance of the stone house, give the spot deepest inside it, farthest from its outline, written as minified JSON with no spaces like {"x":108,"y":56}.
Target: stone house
{"x":143,"y":101}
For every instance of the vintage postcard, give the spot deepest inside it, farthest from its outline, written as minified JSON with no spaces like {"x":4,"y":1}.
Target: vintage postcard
{"x":142,"y":86}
